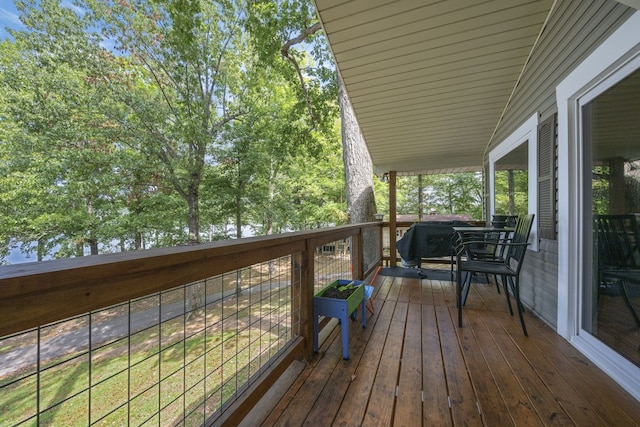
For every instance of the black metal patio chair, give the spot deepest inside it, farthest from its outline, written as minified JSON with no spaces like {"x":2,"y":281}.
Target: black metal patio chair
{"x":491,"y":248}
{"x":618,"y":238}
{"x":506,"y":268}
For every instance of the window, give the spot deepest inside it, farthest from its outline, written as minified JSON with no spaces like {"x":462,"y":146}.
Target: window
{"x":512,"y":182}
{"x":513,"y":175}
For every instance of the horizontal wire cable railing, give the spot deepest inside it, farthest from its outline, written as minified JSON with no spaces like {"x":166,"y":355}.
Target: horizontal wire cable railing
{"x":332,"y":262}
{"x":178,"y":355}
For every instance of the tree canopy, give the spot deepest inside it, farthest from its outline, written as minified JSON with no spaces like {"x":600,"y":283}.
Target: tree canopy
{"x":134,"y":124}
{"x":444,"y":194}
{"x":131,"y":124}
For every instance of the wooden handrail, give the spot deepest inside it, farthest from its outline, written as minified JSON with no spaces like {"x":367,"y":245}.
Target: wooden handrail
{"x":35,"y":294}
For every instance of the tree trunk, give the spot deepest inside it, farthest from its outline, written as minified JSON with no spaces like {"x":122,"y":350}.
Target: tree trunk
{"x":138,"y":240}
{"x":93,"y":246}
{"x":358,"y":169}
{"x":195,"y":297}
{"x":194,"y":216}
{"x":40,"y":250}
{"x":420,"y":197}
{"x":632,"y":187}
{"x":616,"y":186}
{"x":512,"y":192}
{"x":238,"y":216}
{"x":450,"y":195}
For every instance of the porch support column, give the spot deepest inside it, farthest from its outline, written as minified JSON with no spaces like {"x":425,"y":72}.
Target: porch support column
{"x":393,"y":259}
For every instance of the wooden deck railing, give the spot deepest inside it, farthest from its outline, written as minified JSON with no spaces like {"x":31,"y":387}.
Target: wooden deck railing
{"x":37,"y":294}
{"x":34,"y":294}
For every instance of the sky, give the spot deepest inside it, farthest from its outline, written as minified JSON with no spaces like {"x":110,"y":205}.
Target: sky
{"x":8,"y":18}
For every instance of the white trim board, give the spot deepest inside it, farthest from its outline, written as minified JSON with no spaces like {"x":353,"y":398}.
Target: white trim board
{"x":527,"y":132}
{"x":615,"y":58}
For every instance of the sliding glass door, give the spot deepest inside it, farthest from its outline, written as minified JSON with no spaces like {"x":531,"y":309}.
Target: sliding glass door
{"x":610,"y":306}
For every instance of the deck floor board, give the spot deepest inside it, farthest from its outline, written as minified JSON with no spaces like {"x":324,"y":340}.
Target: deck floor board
{"x":413,"y":366}
{"x":409,"y":400}
{"x":435,"y":408}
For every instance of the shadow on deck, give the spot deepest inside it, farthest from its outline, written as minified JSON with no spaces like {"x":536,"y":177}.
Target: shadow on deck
{"x":413,"y":366}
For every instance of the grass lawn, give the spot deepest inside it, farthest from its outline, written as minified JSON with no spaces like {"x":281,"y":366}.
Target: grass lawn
{"x":166,"y":375}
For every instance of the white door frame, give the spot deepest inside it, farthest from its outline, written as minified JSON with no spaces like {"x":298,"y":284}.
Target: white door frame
{"x":617,"y":57}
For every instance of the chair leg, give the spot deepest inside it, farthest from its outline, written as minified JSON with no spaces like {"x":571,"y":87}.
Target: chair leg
{"x":520,"y":307}
{"x":466,"y":287}
{"x":506,"y":292}
{"x":369,"y":305}
{"x":625,"y":295}
{"x":496,"y":280}
{"x":452,"y":261}
{"x":459,"y":296}
{"x":487,"y":277}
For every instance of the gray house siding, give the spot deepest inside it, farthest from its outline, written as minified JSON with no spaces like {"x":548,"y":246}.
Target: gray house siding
{"x":539,"y":279}
{"x":573,"y":31}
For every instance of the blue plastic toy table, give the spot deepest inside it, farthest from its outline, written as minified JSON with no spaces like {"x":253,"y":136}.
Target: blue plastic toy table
{"x":341,"y":309}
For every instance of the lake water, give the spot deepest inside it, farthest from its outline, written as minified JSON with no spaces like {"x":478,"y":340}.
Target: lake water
{"x":17,"y":257}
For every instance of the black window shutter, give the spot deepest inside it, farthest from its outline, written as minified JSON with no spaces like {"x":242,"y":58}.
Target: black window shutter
{"x":547,"y":179}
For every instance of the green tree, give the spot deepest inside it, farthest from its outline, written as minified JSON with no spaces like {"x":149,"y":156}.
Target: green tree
{"x":456,"y":193}
{"x":407,"y":195}
{"x":287,"y":26}
{"x":512,"y":193}
{"x":120,"y":119}
{"x":70,"y":176}
{"x":58,"y":168}
{"x":180,"y":79}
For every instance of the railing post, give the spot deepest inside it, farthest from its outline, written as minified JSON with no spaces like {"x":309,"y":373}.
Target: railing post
{"x":381,"y":238}
{"x":358,"y":269}
{"x":296,"y":292}
{"x":303,"y":273}
{"x":393,"y":257}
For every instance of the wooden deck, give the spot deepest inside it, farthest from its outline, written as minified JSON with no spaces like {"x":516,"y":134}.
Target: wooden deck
{"x":413,"y":366}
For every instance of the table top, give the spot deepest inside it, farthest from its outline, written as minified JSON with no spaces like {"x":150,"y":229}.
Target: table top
{"x":482,"y":229}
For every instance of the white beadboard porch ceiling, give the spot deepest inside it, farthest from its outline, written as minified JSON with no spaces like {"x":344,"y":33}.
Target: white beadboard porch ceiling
{"x":429,"y":79}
